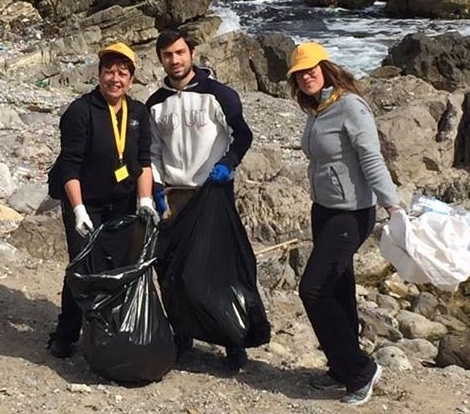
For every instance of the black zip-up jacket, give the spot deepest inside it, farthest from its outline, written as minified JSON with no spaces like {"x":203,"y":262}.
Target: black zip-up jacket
{"x":89,"y":152}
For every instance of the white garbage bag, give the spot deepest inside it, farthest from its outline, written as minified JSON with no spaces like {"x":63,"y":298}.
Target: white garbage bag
{"x":432,"y":248}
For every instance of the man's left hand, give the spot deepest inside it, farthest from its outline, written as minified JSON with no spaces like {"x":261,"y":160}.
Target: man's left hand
{"x":220,"y":173}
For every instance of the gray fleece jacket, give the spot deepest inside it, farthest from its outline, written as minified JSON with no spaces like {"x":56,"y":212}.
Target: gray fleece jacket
{"x":346,"y":170}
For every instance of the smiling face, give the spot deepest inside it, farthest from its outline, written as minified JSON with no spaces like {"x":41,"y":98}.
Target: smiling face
{"x":115,"y":81}
{"x":177,"y":61}
{"x":311,"y":81}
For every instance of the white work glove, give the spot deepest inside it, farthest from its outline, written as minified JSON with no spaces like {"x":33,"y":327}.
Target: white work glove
{"x":146,"y":205}
{"x":83,"y":223}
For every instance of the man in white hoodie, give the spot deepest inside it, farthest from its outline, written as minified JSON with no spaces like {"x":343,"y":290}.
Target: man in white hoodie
{"x":198,"y":134}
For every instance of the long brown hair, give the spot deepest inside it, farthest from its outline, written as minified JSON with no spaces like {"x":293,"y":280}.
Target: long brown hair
{"x":334,"y":75}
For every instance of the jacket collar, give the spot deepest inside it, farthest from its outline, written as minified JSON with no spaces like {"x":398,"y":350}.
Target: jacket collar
{"x":328,"y":96}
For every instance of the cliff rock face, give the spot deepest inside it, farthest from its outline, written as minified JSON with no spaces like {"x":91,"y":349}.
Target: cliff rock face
{"x":61,"y":9}
{"x":227,"y":57}
{"x":165,"y":12}
{"x":177,"y":12}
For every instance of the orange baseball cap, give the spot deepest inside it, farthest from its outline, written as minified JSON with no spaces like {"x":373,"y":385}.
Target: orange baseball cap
{"x":306,"y":56}
{"x":120,"y":48}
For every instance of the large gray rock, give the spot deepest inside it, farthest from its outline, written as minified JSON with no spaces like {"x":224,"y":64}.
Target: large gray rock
{"x":227,"y":56}
{"x":379,"y":321}
{"x":275,"y":273}
{"x":176,"y":12}
{"x":203,"y":29}
{"x":28,"y":198}
{"x":9,"y":219}
{"x":270,"y":55}
{"x":454,"y":349}
{"x":61,"y":9}
{"x":165,"y":12}
{"x":393,"y":358}
{"x":10,"y":255}
{"x":413,"y":325}
{"x":425,"y":304}
{"x":451,"y":323}
{"x":443,"y":61}
{"x":16,"y":16}
{"x":122,"y":24}
{"x":7,"y":186}
{"x":345,"y":4}
{"x":273,"y":207}
{"x":436,"y":9}
{"x":418,"y":127}
{"x":9,"y":118}
{"x":462,"y":151}
{"x":42,"y":237}
{"x":420,"y":348}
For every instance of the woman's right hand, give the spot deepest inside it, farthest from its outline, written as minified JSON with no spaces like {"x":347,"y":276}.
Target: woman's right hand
{"x":83,"y":223}
{"x":392,"y":209}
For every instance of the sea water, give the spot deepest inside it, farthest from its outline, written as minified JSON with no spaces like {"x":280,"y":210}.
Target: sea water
{"x":356,"y":39}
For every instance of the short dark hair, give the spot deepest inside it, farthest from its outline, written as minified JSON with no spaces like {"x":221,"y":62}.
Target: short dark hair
{"x":169,"y":36}
{"x":110,"y":59}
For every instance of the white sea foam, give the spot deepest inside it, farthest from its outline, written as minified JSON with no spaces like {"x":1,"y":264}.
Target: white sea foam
{"x":230,"y":19}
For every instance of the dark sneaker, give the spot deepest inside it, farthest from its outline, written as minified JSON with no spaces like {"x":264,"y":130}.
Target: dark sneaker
{"x":325,"y":382}
{"x":236,"y":358}
{"x":183,"y":344}
{"x":363,"y":394}
{"x":59,"y":348}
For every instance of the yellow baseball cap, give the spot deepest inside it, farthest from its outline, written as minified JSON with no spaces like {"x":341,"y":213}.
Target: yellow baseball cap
{"x":120,"y":48}
{"x":306,"y":56}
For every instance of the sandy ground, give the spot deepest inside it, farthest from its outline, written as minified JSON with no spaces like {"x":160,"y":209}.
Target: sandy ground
{"x":32,"y":381}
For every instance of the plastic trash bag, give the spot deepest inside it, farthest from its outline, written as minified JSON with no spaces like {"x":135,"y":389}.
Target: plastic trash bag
{"x":432,"y":248}
{"x":421,"y":204}
{"x":207,"y":273}
{"x":126,"y":335}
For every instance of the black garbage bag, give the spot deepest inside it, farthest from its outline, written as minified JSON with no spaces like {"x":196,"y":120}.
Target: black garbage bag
{"x":126,"y":335}
{"x":207,"y":273}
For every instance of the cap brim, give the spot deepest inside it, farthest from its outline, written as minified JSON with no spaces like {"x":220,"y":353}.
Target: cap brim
{"x":101,"y":53}
{"x":299,"y":66}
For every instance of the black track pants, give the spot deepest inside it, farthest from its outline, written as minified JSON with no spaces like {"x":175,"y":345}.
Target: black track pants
{"x":328,"y":291}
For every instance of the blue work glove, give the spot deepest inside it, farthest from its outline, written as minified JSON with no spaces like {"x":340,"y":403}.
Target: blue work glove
{"x":220,"y":173}
{"x":160,"y":201}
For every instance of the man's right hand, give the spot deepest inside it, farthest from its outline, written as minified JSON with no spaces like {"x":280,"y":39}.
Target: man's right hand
{"x":83,"y":223}
{"x":160,"y":201}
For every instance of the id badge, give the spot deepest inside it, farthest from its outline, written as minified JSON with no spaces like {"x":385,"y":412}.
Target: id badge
{"x":121,"y":173}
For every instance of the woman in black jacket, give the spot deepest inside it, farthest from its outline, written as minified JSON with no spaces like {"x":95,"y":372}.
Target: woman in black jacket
{"x":103,"y":169}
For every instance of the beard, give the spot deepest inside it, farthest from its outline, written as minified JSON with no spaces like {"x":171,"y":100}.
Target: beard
{"x":181,"y":75}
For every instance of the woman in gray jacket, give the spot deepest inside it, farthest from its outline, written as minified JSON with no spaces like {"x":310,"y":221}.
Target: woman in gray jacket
{"x":348,"y":177}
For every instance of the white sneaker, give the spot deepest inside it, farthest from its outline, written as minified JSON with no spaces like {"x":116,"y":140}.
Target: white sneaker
{"x":362,"y":395}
